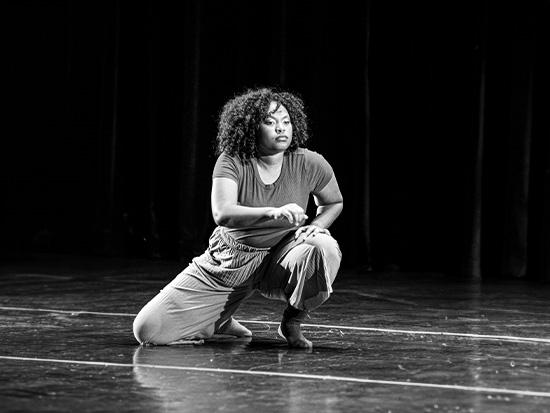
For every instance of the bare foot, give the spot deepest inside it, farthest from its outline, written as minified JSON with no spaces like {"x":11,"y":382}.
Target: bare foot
{"x":233,"y":328}
{"x":293,"y":335}
{"x":290,"y":329}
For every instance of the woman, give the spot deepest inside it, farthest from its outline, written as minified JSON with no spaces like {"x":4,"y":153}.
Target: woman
{"x":261,"y":185}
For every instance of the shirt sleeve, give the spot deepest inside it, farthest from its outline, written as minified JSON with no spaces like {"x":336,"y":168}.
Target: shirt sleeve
{"x":226,"y":167}
{"x":319,"y":171}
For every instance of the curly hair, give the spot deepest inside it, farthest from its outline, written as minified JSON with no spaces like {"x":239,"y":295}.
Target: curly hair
{"x":241,"y":117}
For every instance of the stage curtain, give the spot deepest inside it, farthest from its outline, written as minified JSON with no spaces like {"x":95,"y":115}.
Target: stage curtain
{"x":433,"y":116}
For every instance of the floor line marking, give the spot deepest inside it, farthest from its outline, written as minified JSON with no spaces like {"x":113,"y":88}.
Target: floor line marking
{"x":72,"y":312}
{"x":377,"y":297}
{"x":506,"y":310}
{"x":113,"y":278}
{"x":417,"y":332}
{"x":337,"y":327}
{"x":46,"y":276}
{"x":293,"y":375}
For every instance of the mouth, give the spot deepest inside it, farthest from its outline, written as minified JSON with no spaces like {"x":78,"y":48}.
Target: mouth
{"x":281,"y":138}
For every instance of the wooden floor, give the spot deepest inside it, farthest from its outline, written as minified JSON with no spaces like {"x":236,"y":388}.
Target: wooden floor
{"x":382,"y":343}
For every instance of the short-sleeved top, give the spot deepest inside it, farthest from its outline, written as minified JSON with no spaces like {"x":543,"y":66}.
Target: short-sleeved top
{"x":303,"y":172}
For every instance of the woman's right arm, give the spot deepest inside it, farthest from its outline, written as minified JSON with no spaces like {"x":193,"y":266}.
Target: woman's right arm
{"x":228,"y":213}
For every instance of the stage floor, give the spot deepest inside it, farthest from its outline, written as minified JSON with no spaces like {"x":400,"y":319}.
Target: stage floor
{"x":382,"y":343}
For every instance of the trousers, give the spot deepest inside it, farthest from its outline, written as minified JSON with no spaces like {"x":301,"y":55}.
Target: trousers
{"x":208,"y":292}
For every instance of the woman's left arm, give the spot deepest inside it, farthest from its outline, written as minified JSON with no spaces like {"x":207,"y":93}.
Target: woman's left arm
{"x":329,"y":206}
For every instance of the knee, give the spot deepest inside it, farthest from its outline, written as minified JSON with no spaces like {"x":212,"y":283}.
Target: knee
{"x":327,"y":245}
{"x":147,"y":326}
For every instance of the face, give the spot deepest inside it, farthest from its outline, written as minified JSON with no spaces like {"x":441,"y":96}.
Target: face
{"x":275,"y":134}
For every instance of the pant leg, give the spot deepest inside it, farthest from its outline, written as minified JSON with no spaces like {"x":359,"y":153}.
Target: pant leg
{"x":204,"y":295}
{"x":190,"y":307}
{"x":302,"y":273}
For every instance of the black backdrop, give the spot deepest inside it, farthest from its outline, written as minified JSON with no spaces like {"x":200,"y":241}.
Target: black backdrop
{"x":433,"y":114}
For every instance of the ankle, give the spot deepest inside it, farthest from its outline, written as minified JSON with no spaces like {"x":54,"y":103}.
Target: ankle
{"x":290,"y":328}
{"x":294,"y":315}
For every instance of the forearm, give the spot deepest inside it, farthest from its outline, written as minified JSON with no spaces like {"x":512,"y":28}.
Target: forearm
{"x":327,"y":214}
{"x":234,"y":216}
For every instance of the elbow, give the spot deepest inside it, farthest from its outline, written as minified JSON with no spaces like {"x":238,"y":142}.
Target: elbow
{"x":220,"y":218}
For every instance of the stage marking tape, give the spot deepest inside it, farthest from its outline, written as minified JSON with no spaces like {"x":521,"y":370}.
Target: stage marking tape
{"x":337,"y":327}
{"x":492,"y":390}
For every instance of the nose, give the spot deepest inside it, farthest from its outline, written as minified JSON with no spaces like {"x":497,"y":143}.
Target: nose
{"x":279,"y":128}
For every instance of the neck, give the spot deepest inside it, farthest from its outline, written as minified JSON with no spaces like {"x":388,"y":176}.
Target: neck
{"x":271,"y":160}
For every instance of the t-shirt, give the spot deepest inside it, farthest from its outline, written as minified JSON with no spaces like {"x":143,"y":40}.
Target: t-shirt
{"x":303,"y":172}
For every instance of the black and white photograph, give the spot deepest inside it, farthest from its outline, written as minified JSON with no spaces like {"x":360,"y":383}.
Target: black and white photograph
{"x":275,"y":206}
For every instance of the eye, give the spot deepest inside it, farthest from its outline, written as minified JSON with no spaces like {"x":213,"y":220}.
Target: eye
{"x":286,"y":122}
{"x":268,"y":122}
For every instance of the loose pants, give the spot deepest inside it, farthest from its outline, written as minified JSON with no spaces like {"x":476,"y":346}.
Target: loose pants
{"x":207,"y":293}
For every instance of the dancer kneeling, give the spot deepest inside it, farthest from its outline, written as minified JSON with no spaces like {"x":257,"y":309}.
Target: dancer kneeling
{"x":262,"y":181}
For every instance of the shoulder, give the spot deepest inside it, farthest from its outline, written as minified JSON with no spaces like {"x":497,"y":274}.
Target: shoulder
{"x":317,"y":170}
{"x":229,"y":166}
{"x":307,"y":159}
{"x":306,"y":155}
{"x":233,"y":160}
{"x":225,"y":157}
{"x":312,"y":158}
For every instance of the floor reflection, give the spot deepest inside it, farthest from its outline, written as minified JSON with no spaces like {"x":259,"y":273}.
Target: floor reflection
{"x":64,"y":310}
{"x":183,"y":390}
{"x":188,"y":390}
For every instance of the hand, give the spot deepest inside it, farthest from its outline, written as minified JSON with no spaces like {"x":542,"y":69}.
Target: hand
{"x":310,"y":231}
{"x":294,"y":213}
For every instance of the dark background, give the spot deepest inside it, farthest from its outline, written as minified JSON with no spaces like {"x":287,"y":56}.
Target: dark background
{"x":434,"y":116}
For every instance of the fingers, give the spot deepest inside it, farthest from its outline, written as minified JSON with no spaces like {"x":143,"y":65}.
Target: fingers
{"x":283,"y":213}
{"x":303,"y":232}
{"x":288,"y":215}
{"x":298,"y":216}
{"x":310,"y":231}
{"x":299,"y":231}
{"x":291,"y":212}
